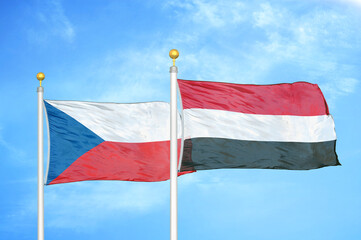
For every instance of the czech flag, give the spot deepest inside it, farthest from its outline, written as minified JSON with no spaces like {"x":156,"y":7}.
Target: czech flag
{"x":108,"y":141}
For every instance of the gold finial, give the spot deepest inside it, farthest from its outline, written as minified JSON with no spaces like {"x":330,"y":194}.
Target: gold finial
{"x":173,"y":54}
{"x":40,"y":76}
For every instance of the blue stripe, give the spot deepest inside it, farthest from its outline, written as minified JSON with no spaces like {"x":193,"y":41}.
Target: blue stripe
{"x":69,"y":140}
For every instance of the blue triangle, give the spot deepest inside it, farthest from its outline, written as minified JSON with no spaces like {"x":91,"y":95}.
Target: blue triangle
{"x":69,"y":140}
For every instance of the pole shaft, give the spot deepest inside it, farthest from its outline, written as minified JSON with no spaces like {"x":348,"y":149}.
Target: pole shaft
{"x":40,"y":91}
{"x":173,"y":155}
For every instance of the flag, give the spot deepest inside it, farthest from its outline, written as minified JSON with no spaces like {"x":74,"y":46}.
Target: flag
{"x":108,"y":141}
{"x":281,"y":126}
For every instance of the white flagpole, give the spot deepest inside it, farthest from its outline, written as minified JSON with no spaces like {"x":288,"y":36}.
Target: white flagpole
{"x":173,"y":148}
{"x":40,"y":76}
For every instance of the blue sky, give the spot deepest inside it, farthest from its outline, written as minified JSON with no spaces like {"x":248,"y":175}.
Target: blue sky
{"x":118,"y":51}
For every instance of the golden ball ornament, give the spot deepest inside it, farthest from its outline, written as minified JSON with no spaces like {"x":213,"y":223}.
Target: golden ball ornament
{"x":40,"y":76}
{"x":173,"y":53}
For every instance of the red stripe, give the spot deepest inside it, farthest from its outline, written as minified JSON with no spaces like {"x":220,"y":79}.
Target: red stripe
{"x":141,"y":162}
{"x":300,"y":98}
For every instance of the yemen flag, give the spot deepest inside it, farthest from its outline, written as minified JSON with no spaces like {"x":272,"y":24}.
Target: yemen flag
{"x":108,"y":141}
{"x":281,"y":126}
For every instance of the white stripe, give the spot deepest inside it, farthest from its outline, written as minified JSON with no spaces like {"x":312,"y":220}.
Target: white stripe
{"x":137,"y":122}
{"x":256,"y":127}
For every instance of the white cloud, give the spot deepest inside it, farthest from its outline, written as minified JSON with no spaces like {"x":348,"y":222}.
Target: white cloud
{"x":85,"y":204}
{"x":267,"y":16}
{"x":52,"y":22}
{"x":313,"y":44}
{"x":214,"y":186}
{"x":303,"y":40}
{"x":353,"y":2}
{"x":13,"y":151}
{"x":335,"y":88}
{"x":280,"y":37}
{"x":133,"y":75}
{"x":210,"y":13}
{"x":348,"y":85}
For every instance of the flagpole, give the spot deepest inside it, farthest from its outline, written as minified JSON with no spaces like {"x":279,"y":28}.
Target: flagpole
{"x":40,"y":76}
{"x":173,"y":148}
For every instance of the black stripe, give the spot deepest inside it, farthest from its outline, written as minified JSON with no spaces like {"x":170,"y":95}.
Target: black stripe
{"x":215,"y":153}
